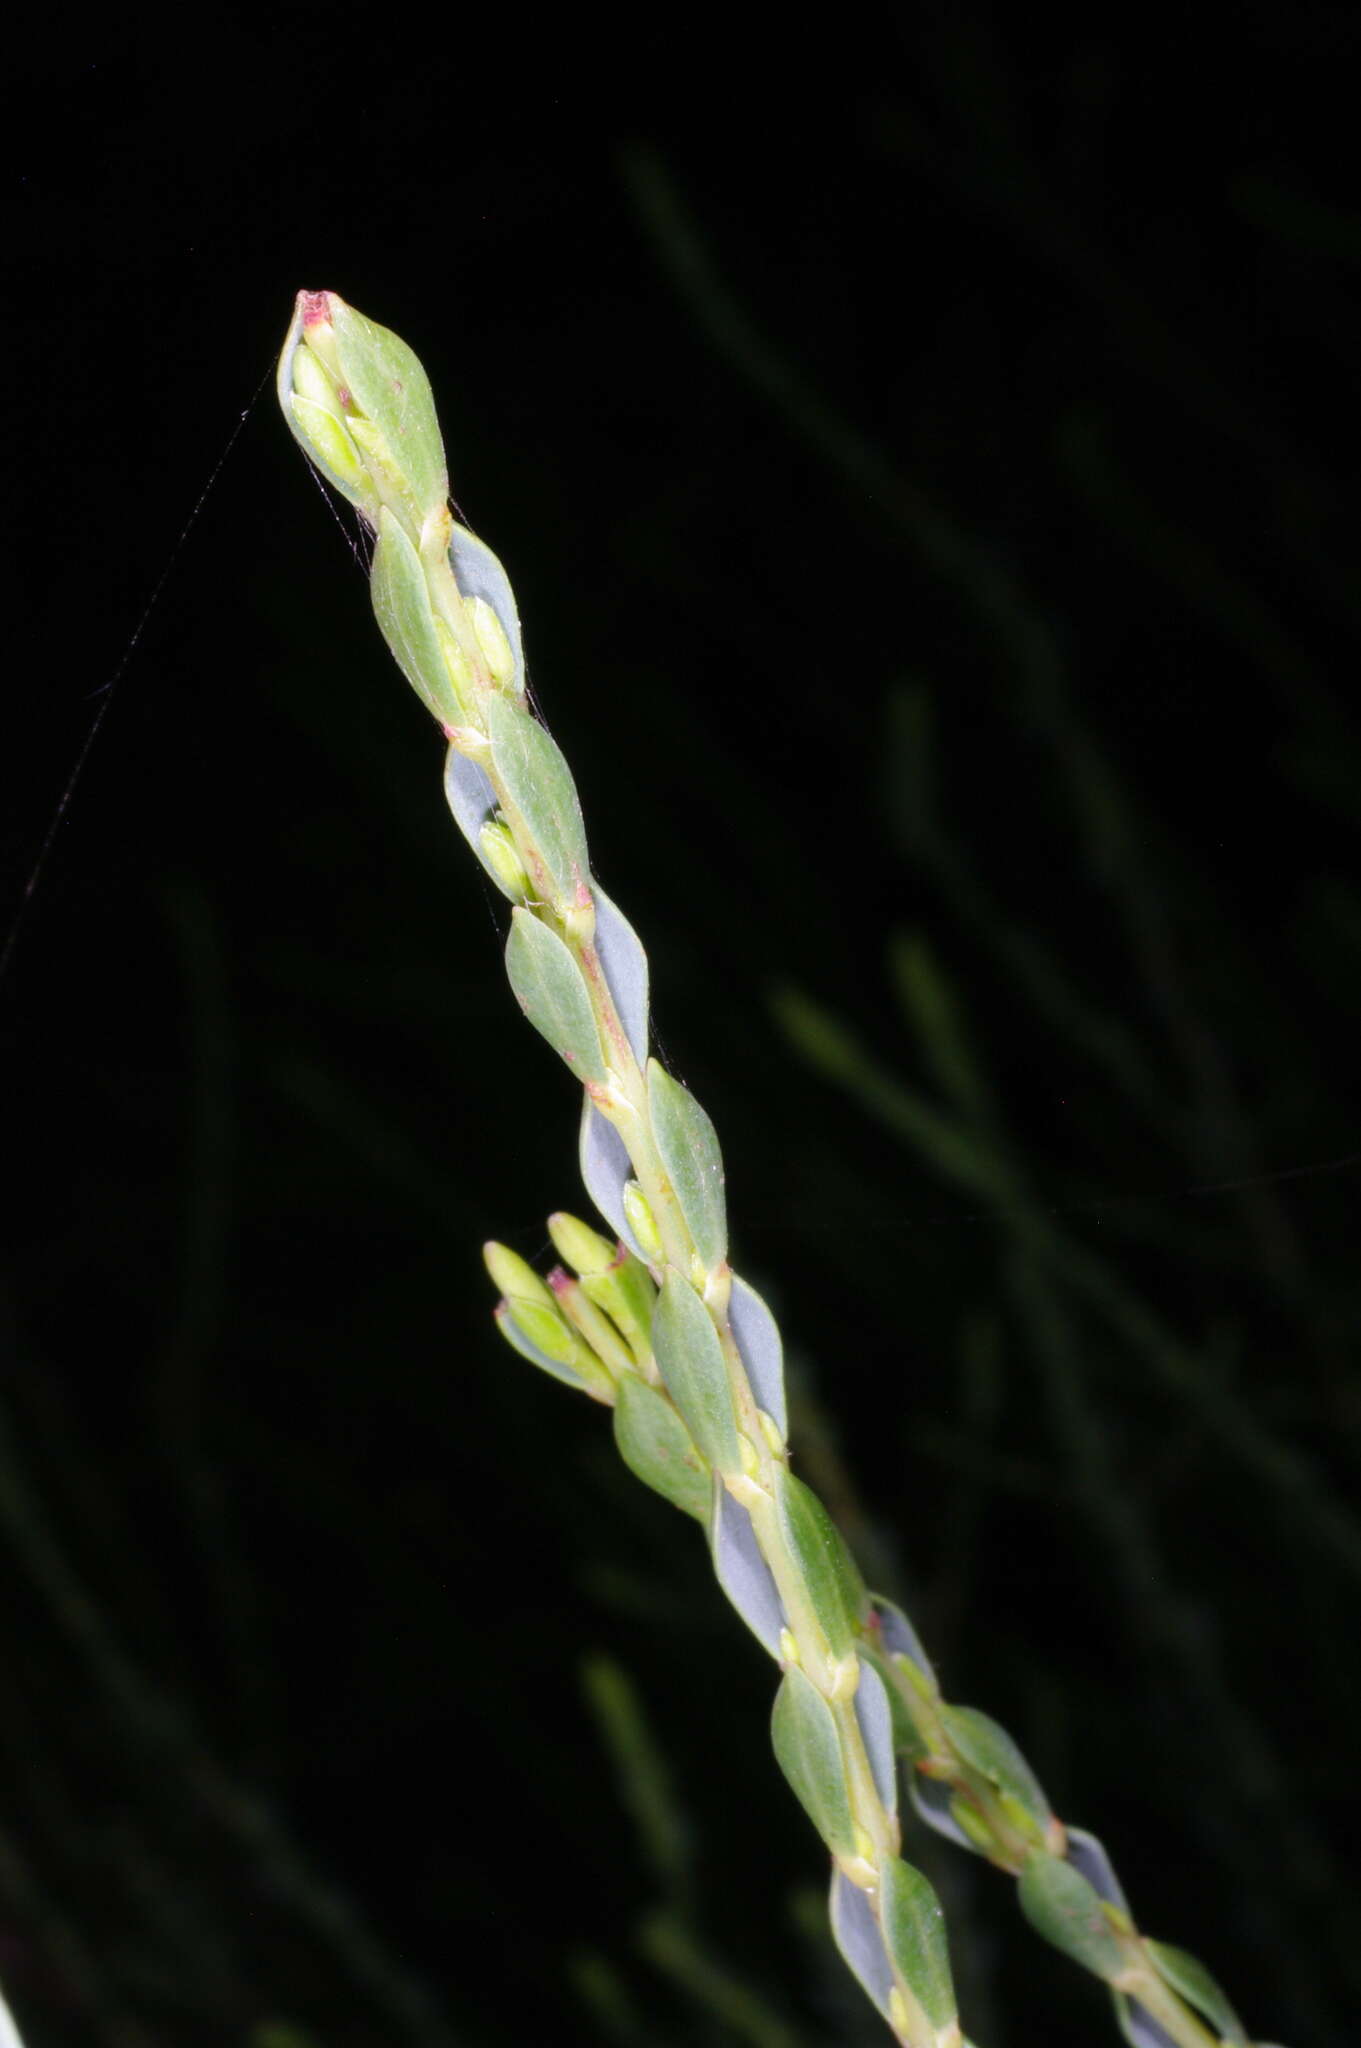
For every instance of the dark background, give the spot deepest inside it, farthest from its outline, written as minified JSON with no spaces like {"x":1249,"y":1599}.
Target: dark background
{"x":925,"y":453}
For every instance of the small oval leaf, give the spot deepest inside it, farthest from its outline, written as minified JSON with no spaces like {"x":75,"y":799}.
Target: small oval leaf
{"x":1088,"y":1855}
{"x":1192,"y":1981}
{"x":875,"y":1715}
{"x":914,"y":1935}
{"x":758,"y":1339}
{"x":742,"y":1571}
{"x":808,"y":1750}
{"x":828,"y":1572}
{"x":549,"y":989}
{"x":1060,"y":1904}
{"x":390,"y":387}
{"x":607,"y":1170}
{"x":472,"y":804}
{"x":624,"y":963}
{"x":539,"y":784}
{"x":688,"y":1146}
{"x":696,"y":1373}
{"x":658,"y":1449}
{"x":401,"y":603}
{"x":856,"y":1932}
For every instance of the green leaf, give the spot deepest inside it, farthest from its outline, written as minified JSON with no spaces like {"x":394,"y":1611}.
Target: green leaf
{"x":808,"y":1750}
{"x":688,"y":1145}
{"x":539,"y":784}
{"x":696,"y":1374}
{"x":390,"y":387}
{"x":658,"y":1449}
{"x":831,"y":1579}
{"x":401,"y":600}
{"x":1193,"y":1982}
{"x":978,"y":1739}
{"x":1060,"y":1904}
{"x":549,"y":989}
{"x":914,"y":1934}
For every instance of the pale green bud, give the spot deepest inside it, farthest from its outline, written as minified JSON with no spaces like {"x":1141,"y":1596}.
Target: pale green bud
{"x":582,"y":1248}
{"x":544,"y":1328}
{"x":314,"y":383}
{"x":597,"y":1329}
{"x":576,"y":1369}
{"x":627,"y":1293}
{"x":503,"y":858}
{"x":326,"y":442}
{"x":531,"y":1307}
{"x":641,"y":1220}
{"x":512,"y":1275}
{"x":491,"y":638}
{"x":309,"y":387}
{"x":359,"y":402}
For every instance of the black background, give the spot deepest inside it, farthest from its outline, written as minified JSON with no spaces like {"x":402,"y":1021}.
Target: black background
{"x":925,"y":454}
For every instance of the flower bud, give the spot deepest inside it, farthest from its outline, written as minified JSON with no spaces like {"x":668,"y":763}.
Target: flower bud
{"x":360,"y":405}
{"x":545,"y":1329}
{"x":502,"y":857}
{"x":491,"y":639}
{"x":590,"y":1323}
{"x":641,"y":1220}
{"x":610,"y":1277}
{"x":513,"y":1276}
{"x":583,"y":1249}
